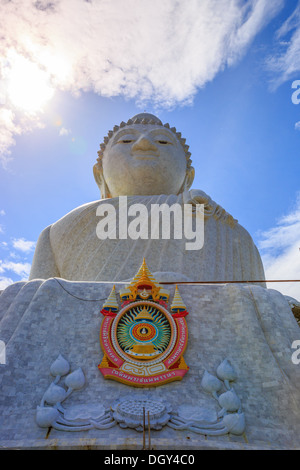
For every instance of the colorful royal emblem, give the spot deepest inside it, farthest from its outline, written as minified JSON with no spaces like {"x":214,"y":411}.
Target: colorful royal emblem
{"x":143,"y":343}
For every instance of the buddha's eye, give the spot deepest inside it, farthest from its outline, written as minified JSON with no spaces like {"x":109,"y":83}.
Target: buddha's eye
{"x":163,"y":142}
{"x":126,"y":141}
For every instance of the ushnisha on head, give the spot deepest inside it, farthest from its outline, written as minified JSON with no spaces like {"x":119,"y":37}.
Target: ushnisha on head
{"x":143,"y":157}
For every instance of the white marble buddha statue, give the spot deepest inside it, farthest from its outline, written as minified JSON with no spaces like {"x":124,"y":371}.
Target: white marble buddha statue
{"x":150,"y":164}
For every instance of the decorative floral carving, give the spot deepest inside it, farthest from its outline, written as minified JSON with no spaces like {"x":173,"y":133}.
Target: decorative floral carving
{"x":129,"y":412}
{"x":134,"y":410}
{"x":74,"y":418}
{"x":230,"y":418}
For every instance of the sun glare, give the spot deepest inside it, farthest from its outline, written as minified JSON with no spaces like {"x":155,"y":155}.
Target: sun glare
{"x":28,"y":86}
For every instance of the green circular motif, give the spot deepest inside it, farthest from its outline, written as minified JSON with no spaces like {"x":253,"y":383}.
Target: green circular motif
{"x":154,"y":329}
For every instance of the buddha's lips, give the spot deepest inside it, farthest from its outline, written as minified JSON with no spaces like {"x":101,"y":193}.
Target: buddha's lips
{"x":145,"y":155}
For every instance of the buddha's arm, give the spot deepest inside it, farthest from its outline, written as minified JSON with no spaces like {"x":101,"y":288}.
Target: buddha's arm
{"x":43,"y":264}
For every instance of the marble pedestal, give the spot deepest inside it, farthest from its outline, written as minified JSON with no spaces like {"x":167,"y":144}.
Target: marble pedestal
{"x":251,"y":326}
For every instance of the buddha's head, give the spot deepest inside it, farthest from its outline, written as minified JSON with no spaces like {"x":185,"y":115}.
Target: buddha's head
{"x":143,"y":157}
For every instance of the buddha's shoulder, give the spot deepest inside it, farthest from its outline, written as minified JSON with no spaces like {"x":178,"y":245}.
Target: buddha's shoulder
{"x":89,"y":210}
{"x":76,"y":215}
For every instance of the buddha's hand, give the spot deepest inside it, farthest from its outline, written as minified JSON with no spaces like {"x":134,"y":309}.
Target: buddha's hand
{"x":195,"y":197}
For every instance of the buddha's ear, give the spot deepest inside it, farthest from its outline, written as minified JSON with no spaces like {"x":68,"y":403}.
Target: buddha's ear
{"x":99,"y":178}
{"x":189,"y":178}
{"x":190,"y":175}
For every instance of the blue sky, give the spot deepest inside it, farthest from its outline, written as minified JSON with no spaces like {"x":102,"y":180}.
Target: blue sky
{"x":221,"y":72}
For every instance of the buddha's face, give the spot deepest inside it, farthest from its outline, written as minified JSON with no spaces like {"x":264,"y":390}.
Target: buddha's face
{"x":143,"y":160}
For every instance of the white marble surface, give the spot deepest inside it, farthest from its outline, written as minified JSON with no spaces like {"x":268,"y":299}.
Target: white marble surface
{"x":70,"y":248}
{"x":253,"y":327}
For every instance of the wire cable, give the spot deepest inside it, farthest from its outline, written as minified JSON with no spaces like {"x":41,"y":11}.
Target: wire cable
{"x":175,"y":283}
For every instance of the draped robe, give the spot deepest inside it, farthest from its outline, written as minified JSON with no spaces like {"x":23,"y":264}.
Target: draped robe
{"x":71,"y":249}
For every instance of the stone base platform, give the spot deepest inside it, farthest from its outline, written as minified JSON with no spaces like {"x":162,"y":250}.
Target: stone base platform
{"x":251,"y":326}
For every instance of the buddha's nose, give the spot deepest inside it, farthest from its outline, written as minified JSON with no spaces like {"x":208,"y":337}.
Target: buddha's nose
{"x":144,"y":143}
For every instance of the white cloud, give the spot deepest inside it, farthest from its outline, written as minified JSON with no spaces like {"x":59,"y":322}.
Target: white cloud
{"x":14,"y":255}
{"x":23,"y":245}
{"x":7,"y":131}
{"x":297,"y":126}
{"x":286,"y":63}
{"x":64,"y":131}
{"x":2,"y":212}
{"x":5,"y":282}
{"x":279,"y":247}
{"x":158,"y":51}
{"x":21,"y":269}
{"x":15,"y":267}
{"x":12,"y":125}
